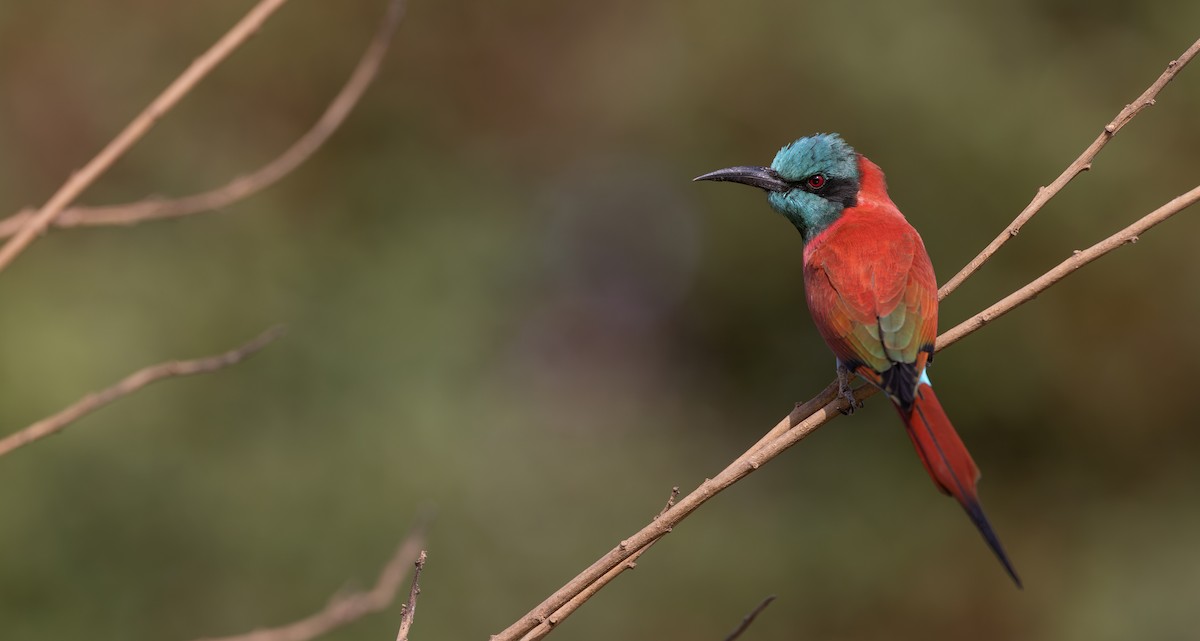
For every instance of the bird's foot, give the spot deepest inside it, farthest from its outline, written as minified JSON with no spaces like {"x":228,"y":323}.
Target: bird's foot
{"x":845,"y":391}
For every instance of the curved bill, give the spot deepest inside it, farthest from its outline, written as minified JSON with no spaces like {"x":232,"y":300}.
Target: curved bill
{"x":761,"y":177}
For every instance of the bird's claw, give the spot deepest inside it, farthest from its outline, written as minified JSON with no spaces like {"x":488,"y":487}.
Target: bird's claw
{"x":851,"y":402}
{"x":846,"y":392}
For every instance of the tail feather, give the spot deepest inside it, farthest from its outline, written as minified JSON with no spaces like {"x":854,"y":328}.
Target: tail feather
{"x":949,"y":463}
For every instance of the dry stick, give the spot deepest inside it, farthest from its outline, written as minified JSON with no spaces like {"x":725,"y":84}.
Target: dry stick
{"x":344,"y":609}
{"x":754,"y":459}
{"x":249,"y":184}
{"x":1044,"y":194}
{"x":130,"y":384}
{"x":827,"y":404}
{"x":737,"y":632}
{"x":1129,"y":235}
{"x":82,"y":179}
{"x":569,"y":607}
{"x":688,"y":504}
{"x":1081,"y":164}
{"x":409,"y":610}
{"x":801,"y":410}
{"x":334,"y":115}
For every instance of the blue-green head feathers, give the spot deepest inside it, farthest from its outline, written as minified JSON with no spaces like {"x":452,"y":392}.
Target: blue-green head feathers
{"x":823,"y":172}
{"x":817,"y":154}
{"x":810,"y":182}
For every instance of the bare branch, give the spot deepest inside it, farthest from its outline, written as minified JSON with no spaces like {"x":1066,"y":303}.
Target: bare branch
{"x":130,"y":384}
{"x":670,"y":501}
{"x":249,"y":184}
{"x":745,"y":624}
{"x":409,"y":610}
{"x":804,"y":420}
{"x":1128,"y":235}
{"x":558,"y":616}
{"x":180,"y":87}
{"x":614,"y":561}
{"x":1081,"y":164}
{"x":795,"y":427}
{"x":344,"y":609}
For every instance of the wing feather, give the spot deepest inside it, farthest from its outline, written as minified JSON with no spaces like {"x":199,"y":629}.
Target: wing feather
{"x":873,"y":295}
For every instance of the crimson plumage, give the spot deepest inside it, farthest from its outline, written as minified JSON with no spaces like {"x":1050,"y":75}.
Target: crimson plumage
{"x":870,"y":285}
{"x":872,"y":293}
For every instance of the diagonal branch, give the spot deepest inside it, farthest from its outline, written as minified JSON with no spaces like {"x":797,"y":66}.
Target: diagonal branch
{"x":180,"y":87}
{"x":807,"y":417}
{"x":614,"y":560}
{"x":1081,"y":164}
{"x":409,"y":610}
{"x":828,"y":404}
{"x":745,"y":624}
{"x":249,"y":184}
{"x":1129,"y":235}
{"x":130,"y":384}
{"x":344,"y":609}
{"x":547,"y":625}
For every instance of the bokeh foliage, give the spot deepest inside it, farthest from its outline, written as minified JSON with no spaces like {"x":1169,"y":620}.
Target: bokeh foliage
{"x":507,"y":301}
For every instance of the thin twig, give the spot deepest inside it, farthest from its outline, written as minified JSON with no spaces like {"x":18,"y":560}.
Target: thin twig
{"x":605,"y":568}
{"x":670,"y":501}
{"x":249,"y":184}
{"x":827,"y":405}
{"x":548,"y":623}
{"x":737,"y":632}
{"x":130,"y":384}
{"x":558,"y":616}
{"x":82,"y":179}
{"x":1081,"y":164}
{"x":344,"y":609}
{"x":409,"y":610}
{"x":614,"y":560}
{"x":801,"y":411}
{"x":1129,"y":235}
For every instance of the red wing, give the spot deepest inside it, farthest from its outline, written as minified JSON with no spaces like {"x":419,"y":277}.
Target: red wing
{"x":872,"y":292}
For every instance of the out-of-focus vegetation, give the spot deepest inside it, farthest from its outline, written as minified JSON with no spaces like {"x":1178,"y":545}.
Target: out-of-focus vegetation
{"x":506,"y":300}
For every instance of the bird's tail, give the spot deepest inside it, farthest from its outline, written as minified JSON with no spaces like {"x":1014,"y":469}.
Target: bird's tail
{"x":949,"y":463}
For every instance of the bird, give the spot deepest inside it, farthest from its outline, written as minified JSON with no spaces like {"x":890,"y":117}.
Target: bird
{"x":872,"y":293}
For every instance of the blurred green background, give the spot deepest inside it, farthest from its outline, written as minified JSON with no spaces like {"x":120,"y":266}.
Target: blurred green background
{"x":507,"y":303}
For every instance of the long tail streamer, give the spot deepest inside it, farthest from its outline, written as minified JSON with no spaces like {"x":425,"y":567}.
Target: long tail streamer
{"x":949,"y":463}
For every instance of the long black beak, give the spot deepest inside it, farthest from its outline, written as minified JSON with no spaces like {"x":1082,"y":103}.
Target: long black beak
{"x":761,"y":177}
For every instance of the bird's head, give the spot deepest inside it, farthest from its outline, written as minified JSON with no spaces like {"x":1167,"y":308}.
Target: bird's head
{"x":811,"y":181}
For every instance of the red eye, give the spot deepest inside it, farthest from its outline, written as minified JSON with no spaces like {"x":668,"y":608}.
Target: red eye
{"x":816,"y":181}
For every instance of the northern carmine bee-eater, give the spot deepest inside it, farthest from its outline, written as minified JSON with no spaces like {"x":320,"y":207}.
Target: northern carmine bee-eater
{"x":872,"y":295}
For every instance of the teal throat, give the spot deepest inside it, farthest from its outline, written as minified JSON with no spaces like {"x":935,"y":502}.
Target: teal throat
{"x":823,"y":171}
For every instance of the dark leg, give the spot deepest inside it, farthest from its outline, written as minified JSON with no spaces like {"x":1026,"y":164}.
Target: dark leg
{"x":844,"y":376}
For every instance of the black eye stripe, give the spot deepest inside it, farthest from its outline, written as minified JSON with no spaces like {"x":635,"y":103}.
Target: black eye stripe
{"x":841,"y":190}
